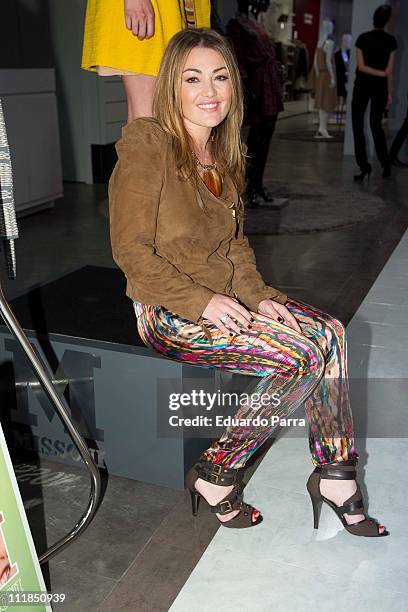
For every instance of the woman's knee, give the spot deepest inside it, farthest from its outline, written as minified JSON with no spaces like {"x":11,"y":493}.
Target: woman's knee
{"x":302,"y":357}
{"x":337,"y":327}
{"x":315,"y":361}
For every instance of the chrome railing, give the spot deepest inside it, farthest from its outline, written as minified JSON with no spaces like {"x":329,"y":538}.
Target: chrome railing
{"x":8,"y":233}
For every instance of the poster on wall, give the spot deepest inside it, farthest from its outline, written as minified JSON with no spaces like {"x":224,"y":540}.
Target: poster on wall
{"x":21,"y":580}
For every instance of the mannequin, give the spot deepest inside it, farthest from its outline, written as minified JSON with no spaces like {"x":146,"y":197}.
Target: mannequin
{"x":325,"y":85}
{"x":342,"y":60}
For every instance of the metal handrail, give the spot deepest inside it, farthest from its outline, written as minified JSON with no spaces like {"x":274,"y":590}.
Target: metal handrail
{"x":61,"y":408}
{"x":8,"y":234}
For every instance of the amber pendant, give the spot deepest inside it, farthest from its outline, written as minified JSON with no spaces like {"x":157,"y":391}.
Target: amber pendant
{"x":213,"y":181}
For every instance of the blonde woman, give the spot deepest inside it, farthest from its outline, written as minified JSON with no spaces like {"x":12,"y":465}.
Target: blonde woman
{"x":128,"y":38}
{"x":177,"y":233}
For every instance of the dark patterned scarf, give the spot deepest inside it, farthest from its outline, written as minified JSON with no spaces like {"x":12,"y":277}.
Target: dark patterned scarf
{"x":8,"y":222}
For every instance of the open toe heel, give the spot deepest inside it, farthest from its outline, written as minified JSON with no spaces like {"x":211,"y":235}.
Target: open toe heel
{"x":346,"y":470}
{"x":219,"y":475}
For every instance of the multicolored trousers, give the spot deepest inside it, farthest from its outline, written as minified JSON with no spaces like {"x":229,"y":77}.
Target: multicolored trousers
{"x":308,"y":368}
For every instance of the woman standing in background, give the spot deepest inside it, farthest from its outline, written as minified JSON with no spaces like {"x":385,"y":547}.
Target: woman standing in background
{"x":128,"y":38}
{"x":375,"y":63}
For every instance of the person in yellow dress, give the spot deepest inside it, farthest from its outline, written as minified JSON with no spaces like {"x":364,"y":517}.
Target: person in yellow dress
{"x":128,"y":38}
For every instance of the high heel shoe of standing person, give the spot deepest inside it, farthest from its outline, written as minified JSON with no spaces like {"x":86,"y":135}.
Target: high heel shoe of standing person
{"x":359,"y":178}
{"x":219,"y":475}
{"x":346,"y":470}
{"x":386,"y":171}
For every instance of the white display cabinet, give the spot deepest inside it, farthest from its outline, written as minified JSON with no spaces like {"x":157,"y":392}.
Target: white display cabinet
{"x":30,"y":110}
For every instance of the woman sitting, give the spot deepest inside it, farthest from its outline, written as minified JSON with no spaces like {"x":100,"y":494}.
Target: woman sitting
{"x":177,"y":233}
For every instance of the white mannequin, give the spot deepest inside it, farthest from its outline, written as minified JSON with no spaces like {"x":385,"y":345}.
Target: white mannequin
{"x":327,"y":44}
{"x":345,"y":48}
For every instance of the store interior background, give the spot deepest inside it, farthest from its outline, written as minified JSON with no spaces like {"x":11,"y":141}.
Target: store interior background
{"x":62,"y":125}
{"x":89,"y":112}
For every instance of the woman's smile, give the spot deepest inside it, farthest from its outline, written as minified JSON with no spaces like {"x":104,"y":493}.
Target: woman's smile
{"x":208,"y":106}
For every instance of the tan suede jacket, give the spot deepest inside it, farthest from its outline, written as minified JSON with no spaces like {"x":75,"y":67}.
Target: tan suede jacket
{"x":172,"y":253}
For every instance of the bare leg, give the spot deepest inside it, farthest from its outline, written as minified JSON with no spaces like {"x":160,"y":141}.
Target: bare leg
{"x":139,"y":91}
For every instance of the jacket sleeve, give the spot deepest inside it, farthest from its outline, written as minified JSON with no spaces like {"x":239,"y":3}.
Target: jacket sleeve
{"x":134,"y":199}
{"x":247,"y":282}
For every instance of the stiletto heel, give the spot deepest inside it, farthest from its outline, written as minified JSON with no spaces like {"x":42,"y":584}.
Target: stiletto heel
{"x":345,"y":470}
{"x":359,"y":178}
{"x":195,"y":502}
{"x":386,"y":171}
{"x":216,"y":474}
{"x":317,"y":508}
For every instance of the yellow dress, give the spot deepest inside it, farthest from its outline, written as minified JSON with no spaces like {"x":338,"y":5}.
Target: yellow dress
{"x":108,"y":43}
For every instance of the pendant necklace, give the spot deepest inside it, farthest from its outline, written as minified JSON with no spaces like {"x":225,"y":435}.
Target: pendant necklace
{"x":211,"y":176}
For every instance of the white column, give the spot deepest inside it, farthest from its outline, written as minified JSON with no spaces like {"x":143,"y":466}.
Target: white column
{"x":362,"y":21}
{"x":399,"y":105}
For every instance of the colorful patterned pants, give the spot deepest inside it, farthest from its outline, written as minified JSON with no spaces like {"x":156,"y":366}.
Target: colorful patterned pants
{"x":309,"y":368}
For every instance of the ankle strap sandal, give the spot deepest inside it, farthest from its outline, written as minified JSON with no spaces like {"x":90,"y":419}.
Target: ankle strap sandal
{"x":218,"y":474}
{"x":222,"y":476}
{"x":345,"y":470}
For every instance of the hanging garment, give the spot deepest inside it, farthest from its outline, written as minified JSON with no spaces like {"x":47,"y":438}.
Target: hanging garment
{"x":341,"y":72}
{"x":258,"y":65}
{"x":325,"y":96}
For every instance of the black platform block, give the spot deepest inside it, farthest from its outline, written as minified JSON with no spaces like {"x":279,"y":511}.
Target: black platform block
{"x":88,"y":303}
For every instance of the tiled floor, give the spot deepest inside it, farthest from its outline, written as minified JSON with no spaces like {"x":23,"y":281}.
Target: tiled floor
{"x":284,"y":564}
{"x":143,"y":544}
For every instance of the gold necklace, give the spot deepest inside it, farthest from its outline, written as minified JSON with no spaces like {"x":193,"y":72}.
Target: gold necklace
{"x":211,"y":176}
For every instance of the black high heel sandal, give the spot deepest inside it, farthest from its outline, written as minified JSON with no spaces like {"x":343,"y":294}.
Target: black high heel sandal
{"x":386,"y":171}
{"x":219,"y":475}
{"x":345,"y":470}
{"x":359,"y":178}
{"x":264,"y":193}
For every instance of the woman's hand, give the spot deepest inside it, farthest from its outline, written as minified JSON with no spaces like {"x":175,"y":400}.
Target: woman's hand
{"x":279,"y":313}
{"x":222,"y":310}
{"x":139,"y":17}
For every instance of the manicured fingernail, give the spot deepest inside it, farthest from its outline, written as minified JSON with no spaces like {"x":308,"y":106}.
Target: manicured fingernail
{"x":252,"y":319}
{"x":231,"y":334}
{"x":249,"y":326}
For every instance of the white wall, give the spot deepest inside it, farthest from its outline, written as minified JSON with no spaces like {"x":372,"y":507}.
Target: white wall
{"x":399,"y":107}
{"x":339,"y":11}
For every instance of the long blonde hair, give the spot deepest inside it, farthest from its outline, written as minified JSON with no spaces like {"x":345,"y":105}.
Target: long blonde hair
{"x":226,"y":146}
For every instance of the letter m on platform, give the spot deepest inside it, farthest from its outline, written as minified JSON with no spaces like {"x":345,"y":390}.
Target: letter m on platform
{"x":73,"y":377}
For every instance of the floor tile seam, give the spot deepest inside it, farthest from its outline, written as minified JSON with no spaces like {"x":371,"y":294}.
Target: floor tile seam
{"x":380,"y":323}
{"x":182,"y":550}
{"x":63,"y":564}
{"x":368,"y":300}
{"x":380,"y":346}
{"x":102,"y":606}
{"x":282,"y":490}
{"x":141,"y":522}
{"x":401,"y":506}
{"x":286,"y":564}
{"x":147,"y":543}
